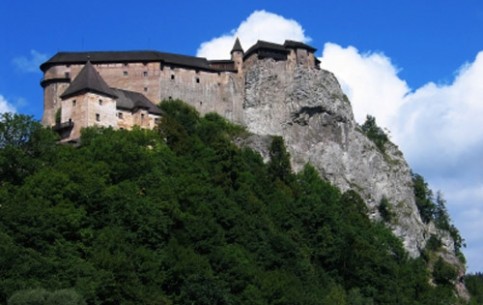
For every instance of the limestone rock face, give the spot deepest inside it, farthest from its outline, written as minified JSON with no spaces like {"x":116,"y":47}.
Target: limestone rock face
{"x":309,"y":110}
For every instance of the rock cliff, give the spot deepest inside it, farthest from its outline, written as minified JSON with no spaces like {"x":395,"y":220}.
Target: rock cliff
{"x":309,"y":110}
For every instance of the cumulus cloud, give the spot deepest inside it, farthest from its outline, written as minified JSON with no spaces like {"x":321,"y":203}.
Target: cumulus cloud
{"x":5,"y":106}
{"x":260,"y":25}
{"x":438,"y":127}
{"x":370,"y":81}
{"x":30,"y":64}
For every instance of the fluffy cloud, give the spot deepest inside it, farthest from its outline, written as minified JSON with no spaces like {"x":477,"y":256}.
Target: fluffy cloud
{"x":5,"y":106}
{"x":30,"y":64}
{"x":259,"y":25}
{"x":360,"y":76}
{"x":437,"y":126}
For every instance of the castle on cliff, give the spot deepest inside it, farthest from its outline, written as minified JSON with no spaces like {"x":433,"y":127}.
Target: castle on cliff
{"x":121,"y":89}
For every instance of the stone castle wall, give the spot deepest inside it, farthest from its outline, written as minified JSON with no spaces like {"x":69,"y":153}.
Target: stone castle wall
{"x":207,"y":90}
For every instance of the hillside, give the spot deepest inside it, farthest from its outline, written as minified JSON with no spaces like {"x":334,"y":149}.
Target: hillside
{"x":182,"y":215}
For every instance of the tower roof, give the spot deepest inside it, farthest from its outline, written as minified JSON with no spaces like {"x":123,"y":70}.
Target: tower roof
{"x":88,"y":80}
{"x":237,"y":46}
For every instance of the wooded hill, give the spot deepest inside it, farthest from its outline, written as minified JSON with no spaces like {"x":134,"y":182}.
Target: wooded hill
{"x":181,"y":215}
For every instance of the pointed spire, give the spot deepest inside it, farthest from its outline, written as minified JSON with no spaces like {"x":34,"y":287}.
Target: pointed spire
{"x":237,"y":46}
{"x":88,"y":80}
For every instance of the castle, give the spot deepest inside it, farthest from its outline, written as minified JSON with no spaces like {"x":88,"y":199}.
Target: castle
{"x":121,"y":89}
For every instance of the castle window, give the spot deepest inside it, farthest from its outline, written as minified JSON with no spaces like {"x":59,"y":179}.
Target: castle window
{"x":170,"y":98}
{"x":100,"y":102}
{"x":125,"y":73}
{"x":119,"y":115}
{"x":145,"y":73}
{"x":197,"y":80}
{"x":67,"y":75}
{"x":98,"y":117}
{"x":172,"y":76}
{"x":73,"y":102}
{"x":126,"y":64}
{"x":145,"y":89}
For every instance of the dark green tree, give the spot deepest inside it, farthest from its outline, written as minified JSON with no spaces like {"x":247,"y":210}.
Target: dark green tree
{"x":375,"y":133}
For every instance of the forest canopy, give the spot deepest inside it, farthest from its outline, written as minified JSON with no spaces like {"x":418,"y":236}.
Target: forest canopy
{"x":181,"y":215}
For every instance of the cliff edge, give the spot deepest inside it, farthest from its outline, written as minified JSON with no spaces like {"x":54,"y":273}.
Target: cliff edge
{"x":309,"y":110}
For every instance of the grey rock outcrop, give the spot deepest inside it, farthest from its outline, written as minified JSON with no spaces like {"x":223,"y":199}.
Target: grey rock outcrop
{"x":309,"y":110}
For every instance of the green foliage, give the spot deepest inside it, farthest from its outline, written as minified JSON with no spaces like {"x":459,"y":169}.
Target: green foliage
{"x":424,"y":198}
{"x":375,"y":133}
{"x":474,"y":283}
{"x":432,"y":209}
{"x":41,"y":296}
{"x":444,"y":273}
{"x":279,"y":165}
{"x":180,"y":215}
{"x":384,"y":209}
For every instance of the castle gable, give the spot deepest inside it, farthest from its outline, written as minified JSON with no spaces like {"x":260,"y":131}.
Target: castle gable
{"x":88,"y":80}
{"x":129,"y":100}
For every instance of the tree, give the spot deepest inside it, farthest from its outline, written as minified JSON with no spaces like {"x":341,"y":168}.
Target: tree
{"x":375,"y":133}
{"x":424,"y":198}
{"x":279,"y":164}
{"x":24,"y":146}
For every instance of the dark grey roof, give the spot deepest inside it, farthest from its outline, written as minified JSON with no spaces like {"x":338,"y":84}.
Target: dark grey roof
{"x":290,"y":44}
{"x":237,"y":46}
{"x":64,"y":58}
{"x":88,"y":80}
{"x":130,"y":100}
{"x":265,"y":45}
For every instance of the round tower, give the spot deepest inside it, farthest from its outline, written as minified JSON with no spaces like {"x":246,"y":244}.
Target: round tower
{"x":237,"y":55}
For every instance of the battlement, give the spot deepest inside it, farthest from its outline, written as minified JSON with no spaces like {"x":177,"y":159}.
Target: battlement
{"x":84,"y":88}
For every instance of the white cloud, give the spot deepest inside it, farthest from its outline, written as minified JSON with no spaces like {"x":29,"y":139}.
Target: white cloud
{"x":261,"y":25}
{"x":370,"y":81}
{"x":5,"y":106}
{"x":30,"y":64}
{"x":437,"y":126}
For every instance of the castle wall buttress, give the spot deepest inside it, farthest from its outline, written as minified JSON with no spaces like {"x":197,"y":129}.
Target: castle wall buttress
{"x":52,"y":101}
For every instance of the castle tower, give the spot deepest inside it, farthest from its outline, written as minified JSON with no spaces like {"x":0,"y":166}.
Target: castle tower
{"x":88,"y":101}
{"x":237,"y":55}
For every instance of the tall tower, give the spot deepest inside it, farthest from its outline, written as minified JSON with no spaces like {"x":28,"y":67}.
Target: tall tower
{"x":237,"y":55}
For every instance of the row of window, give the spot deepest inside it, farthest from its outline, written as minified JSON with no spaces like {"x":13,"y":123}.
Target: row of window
{"x":197,"y":79}
{"x":74,"y":102}
{"x":126,"y":73}
{"x":119,"y":115}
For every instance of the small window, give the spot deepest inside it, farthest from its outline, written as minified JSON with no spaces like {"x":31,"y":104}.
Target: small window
{"x":145,"y":89}
{"x":98,"y":117}
{"x":74,"y":102}
{"x":201,"y":103}
{"x":125,"y":73}
{"x":100,"y":102}
{"x":145,"y":73}
{"x":172,"y":76}
{"x":67,"y":75}
{"x":197,"y":80}
{"x":170,"y":98}
{"x":126,"y":64}
{"x":119,"y":115}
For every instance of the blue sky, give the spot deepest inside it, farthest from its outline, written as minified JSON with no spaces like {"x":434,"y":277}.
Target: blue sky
{"x":416,"y":65}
